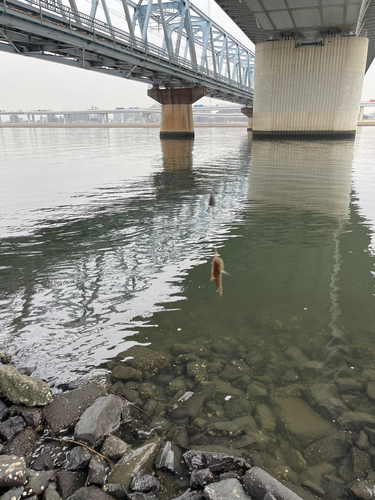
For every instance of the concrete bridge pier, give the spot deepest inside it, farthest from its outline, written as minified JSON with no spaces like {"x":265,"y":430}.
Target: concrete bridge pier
{"x":249,"y":113}
{"x":176,"y":113}
{"x":312,"y":89}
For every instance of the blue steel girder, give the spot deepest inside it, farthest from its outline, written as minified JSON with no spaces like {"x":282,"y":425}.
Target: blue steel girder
{"x":191,"y":49}
{"x":188,"y":30}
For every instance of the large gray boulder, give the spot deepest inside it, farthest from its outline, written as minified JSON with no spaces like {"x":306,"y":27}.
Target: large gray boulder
{"x":22,"y":389}
{"x":66,"y":409}
{"x":101,"y":419}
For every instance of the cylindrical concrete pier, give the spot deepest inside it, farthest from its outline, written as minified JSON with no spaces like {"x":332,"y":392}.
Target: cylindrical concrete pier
{"x":176,"y":113}
{"x":309,"y":89}
{"x":249,"y":113}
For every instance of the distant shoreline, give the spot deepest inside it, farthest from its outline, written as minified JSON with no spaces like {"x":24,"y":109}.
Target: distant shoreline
{"x":133,"y":125}
{"x":109,"y":125}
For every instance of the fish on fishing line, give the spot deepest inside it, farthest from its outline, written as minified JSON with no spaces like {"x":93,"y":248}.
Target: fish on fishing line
{"x":217,"y":270}
{"x":212,"y":203}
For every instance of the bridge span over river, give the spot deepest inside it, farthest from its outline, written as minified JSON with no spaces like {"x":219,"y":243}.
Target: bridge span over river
{"x":306,"y":75}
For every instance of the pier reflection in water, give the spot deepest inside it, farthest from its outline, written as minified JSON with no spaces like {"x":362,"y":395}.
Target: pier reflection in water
{"x":129,"y":262}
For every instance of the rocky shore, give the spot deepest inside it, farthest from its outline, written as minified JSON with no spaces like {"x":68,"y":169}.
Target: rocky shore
{"x":205,"y":421}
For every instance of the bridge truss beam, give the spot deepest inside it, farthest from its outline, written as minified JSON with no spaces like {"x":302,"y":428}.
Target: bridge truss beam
{"x":163,"y":43}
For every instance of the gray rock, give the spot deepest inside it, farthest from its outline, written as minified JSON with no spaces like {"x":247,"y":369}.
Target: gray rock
{"x":329,"y":449}
{"x":236,"y":407}
{"x":11,"y":427}
{"x":234,"y":370}
{"x":129,"y":394}
{"x":51,"y":494}
{"x":369,"y":374}
{"x":333,"y":487}
{"x":20,"y":388}
{"x":5,"y":357}
{"x":90,"y":493}
{"x":22,"y":444}
{"x":126,"y":373}
{"x":226,"y":428}
{"x":78,"y":458}
{"x":325,"y":399}
{"x":361,"y":463}
{"x":356,"y":421}
{"x":69,"y":482}
{"x":114,"y":447}
{"x":371,"y":390}
{"x":116,"y":491}
{"x":198,"y":459}
{"x":146,"y":360}
{"x":32,"y":416}
{"x":362,"y":441}
{"x":97,"y":471}
{"x":38,"y":482}
{"x":223,"y":490}
{"x":312,"y":476}
{"x":66,"y":409}
{"x":102,"y":418}
{"x":144,"y":482}
{"x":169,"y":458}
{"x":257,"y":390}
{"x":348,"y":386}
{"x":265,"y":418}
{"x":178,"y":435}
{"x":43,"y":461}
{"x":4,"y":411}
{"x":364,"y":489}
{"x":73,"y":384}
{"x":13,"y":494}
{"x":134,"y":461}
{"x":190,"y":404}
{"x":200,"y":478}
{"x":12,"y":471}
{"x":197,"y":370}
{"x":258,"y":483}
{"x":300,"y":421}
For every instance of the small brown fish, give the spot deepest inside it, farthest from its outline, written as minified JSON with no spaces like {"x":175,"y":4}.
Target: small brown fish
{"x":217,"y":269}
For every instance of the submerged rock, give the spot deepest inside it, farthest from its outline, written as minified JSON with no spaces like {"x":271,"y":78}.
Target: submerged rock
{"x":20,"y":388}
{"x":300,"y":421}
{"x":147,"y":361}
{"x":356,"y":421}
{"x":258,"y":483}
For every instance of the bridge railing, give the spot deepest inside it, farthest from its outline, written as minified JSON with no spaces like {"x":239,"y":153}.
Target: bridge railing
{"x":77,"y":21}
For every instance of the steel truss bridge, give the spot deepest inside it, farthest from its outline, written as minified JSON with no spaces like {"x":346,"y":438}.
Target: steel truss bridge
{"x":159,"y":42}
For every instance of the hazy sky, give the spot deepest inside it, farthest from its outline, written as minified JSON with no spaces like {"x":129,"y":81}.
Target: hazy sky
{"x":27,"y":83}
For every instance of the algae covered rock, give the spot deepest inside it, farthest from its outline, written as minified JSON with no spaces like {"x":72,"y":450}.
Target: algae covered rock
{"x":22,"y":389}
{"x":147,"y":361}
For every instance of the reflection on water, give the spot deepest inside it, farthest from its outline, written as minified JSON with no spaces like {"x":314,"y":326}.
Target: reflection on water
{"x":105,"y":246}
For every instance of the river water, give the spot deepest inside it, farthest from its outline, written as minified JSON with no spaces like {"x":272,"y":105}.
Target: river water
{"x":107,"y":240}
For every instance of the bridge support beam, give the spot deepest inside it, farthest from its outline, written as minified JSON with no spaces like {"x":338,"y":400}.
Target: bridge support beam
{"x":308,"y":90}
{"x":176,"y":112}
{"x":249,"y":113}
